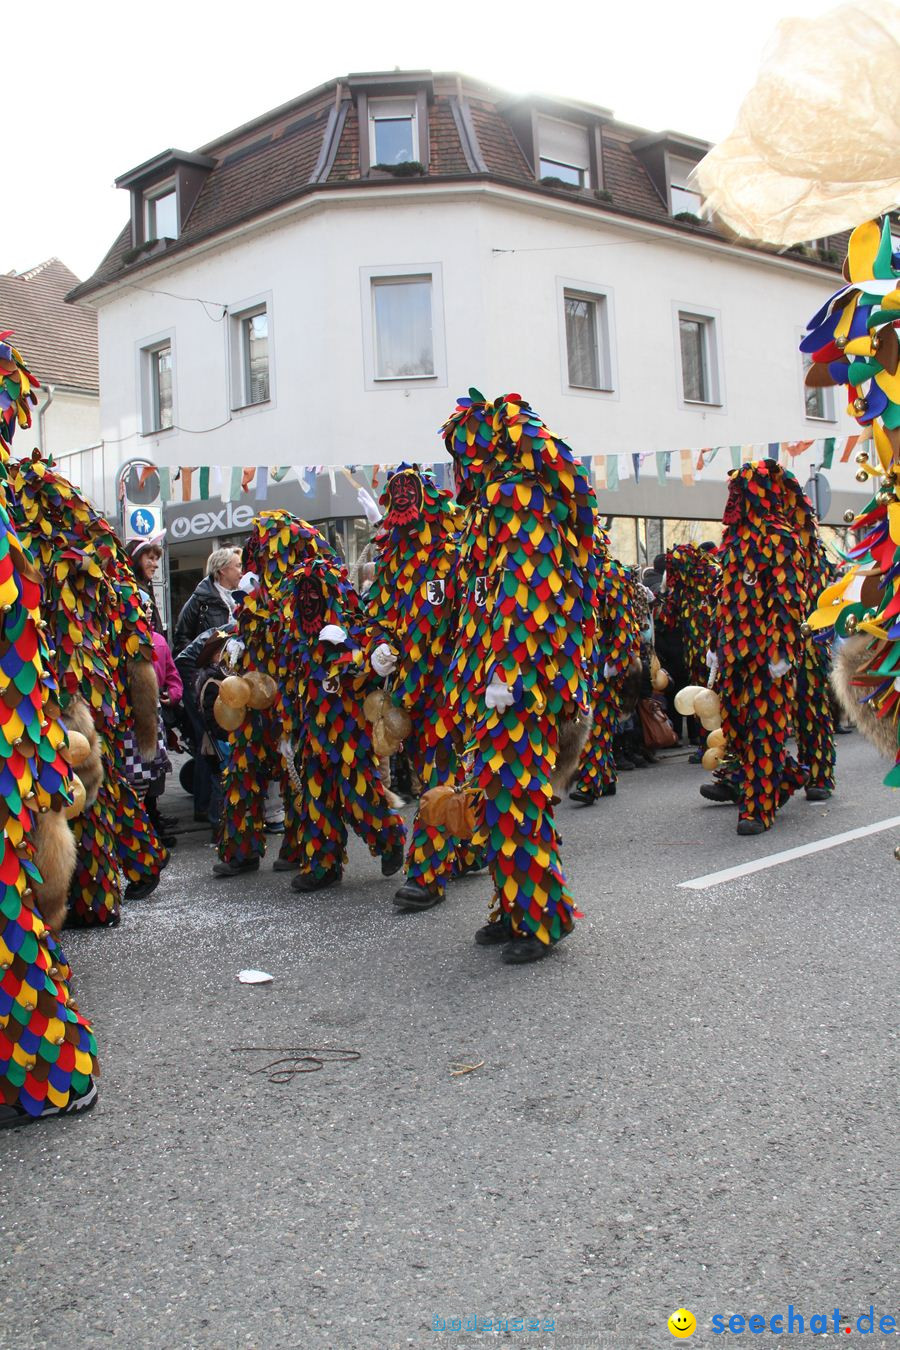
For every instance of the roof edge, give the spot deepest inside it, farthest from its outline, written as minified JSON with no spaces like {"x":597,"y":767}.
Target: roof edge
{"x":168,"y":158}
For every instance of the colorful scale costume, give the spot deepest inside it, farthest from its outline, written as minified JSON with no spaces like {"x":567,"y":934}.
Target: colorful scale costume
{"x":47,"y":1048}
{"x":412,"y":603}
{"x":278,"y":543}
{"x":853,"y":340}
{"x":526,"y":622}
{"x":813,"y":719}
{"x":102,"y":653}
{"x":766,"y":547}
{"x":334,"y":773}
{"x":686,"y":613}
{"x":616,"y":645}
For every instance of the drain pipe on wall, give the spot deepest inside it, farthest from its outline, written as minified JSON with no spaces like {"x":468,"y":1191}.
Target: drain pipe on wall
{"x":51,"y":390}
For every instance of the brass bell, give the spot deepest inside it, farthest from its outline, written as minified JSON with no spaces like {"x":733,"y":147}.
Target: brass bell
{"x":862,"y":457}
{"x":805,"y":630}
{"x":849,"y":515}
{"x":861,"y":476}
{"x":840,"y":343}
{"x":850,"y":625}
{"x":859,"y":405}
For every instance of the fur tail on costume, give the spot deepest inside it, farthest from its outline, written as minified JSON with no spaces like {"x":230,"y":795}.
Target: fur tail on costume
{"x":881,"y":731}
{"x":144,"y":689}
{"x":54,"y":855}
{"x":573,"y":734}
{"x":90,"y":770}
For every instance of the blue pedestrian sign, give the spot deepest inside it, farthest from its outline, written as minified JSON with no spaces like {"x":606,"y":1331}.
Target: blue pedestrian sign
{"x":142,"y":522}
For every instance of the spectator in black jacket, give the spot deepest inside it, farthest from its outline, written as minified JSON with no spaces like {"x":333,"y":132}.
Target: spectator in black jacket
{"x":213,"y":602}
{"x":214,"y":746}
{"x":187,"y":662}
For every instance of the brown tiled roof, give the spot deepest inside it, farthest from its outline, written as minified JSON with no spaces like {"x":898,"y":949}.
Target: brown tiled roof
{"x":346,"y":161}
{"x":627,"y":179}
{"x":502,"y":153}
{"x":58,"y":341}
{"x":259,"y":174}
{"x":447,"y":155}
{"x":289,"y":153}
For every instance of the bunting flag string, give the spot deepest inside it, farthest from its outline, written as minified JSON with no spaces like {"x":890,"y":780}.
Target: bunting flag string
{"x":236,"y":483}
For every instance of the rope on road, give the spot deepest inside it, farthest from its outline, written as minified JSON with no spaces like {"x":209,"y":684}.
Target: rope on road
{"x":457,"y":1070}
{"x":295,"y":1060}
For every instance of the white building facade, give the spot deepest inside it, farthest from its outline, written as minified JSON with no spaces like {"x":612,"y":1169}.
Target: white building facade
{"x":338,"y":324}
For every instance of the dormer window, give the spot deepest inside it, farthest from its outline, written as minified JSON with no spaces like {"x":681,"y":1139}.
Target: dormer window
{"x":682,"y":195}
{"x":163,"y":193}
{"x":564,"y":152}
{"x":161,"y":212}
{"x":393,"y":131}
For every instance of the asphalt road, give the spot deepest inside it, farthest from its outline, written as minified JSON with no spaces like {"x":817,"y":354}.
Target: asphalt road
{"x":692,"y":1102}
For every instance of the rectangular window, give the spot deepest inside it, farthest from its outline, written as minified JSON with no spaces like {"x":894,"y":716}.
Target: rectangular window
{"x":255,"y":357}
{"x":564,"y":152}
{"x":699,"y":358}
{"x":160,"y":372}
{"x":683,"y":195}
{"x":393,"y":134}
{"x":819,"y":402}
{"x":161,"y":214}
{"x":402,"y":322}
{"x":587,"y":340}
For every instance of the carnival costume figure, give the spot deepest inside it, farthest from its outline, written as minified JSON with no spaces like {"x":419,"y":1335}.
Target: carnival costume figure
{"x":520,"y":666}
{"x":686,"y":613}
{"x":102,"y":653}
{"x":278,"y":543}
{"x":47,"y":1048}
{"x":765,"y":551}
{"x":615,"y":648}
{"x":413,"y":605}
{"x":330,"y":656}
{"x":853,"y":340}
{"x":813,"y":717}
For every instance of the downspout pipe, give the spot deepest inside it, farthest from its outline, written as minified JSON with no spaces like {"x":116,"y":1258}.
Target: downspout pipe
{"x":51,"y":390}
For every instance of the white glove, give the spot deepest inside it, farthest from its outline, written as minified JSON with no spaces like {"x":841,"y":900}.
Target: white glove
{"x":248,"y":582}
{"x":498,"y":695}
{"x":712,"y":662}
{"x":384,"y":659}
{"x":369,"y":506}
{"x":778,"y":669}
{"x":332,"y":633}
{"x":234,"y":650}
{"x":609,"y":671}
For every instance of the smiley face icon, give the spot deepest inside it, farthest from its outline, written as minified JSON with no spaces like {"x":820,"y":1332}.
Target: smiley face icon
{"x":682,"y":1323}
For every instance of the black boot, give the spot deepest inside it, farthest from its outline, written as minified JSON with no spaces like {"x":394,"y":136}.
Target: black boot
{"x":498,"y":931}
{"x":412,"y":895}
{"x":317,"y":881}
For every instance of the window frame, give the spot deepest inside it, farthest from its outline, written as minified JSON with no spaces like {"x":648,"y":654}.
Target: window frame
{"x":148,"y":350}
{"x":605,"y":328}
{"x":585,"y":172}
{"x":830,"y":415}
{"x":711,"y":320}
{"x":150,"y":197}
{"x":372,"y":104}
{"x":671,"y":161}
{"x":238,"y":355}
{"x":394,"y":273}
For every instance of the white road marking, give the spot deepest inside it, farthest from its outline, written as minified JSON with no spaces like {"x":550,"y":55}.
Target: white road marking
{"x":788,"y":855}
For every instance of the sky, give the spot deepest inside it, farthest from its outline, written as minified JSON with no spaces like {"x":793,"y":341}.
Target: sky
{"x":92,"y":90}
